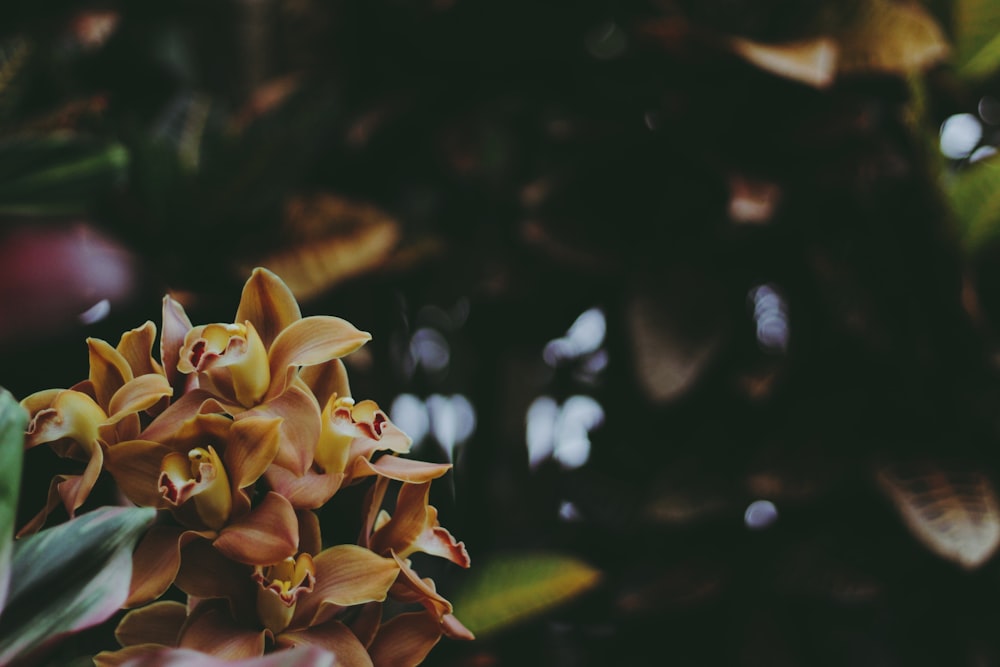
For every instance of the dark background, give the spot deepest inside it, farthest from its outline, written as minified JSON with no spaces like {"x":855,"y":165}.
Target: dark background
{"x":539,"y":159}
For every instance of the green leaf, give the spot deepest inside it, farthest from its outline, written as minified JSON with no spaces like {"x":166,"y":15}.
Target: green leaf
{"x":974,"y":194}
{"x":50,"y":175}
{"x":70,"y":577}
{"x":13,"y":420}
{"x":977,"y":37}
{"x":517,"y":586}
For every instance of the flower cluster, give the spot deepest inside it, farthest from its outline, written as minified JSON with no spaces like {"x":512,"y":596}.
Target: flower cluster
{"x":238,"y":434}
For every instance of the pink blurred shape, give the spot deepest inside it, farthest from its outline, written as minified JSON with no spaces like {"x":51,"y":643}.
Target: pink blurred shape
{"x":50,"y":275}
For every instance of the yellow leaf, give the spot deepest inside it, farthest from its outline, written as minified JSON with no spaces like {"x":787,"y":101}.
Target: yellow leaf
{"x":518,"y":586}
{"x":953,"y":512}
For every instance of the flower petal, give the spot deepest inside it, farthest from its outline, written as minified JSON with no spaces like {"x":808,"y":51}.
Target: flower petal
{"x":312,"y":340}
{"x":108,"y":370}
{"x":332,"y":636}
{"x":138,"y":394}
{"x":175,"y":327}
{"x":399,"y":469}
{"x":346,"y":575}
{"x":405,"y":640}
{"x":310,"y":540}
{"x":310,"y":491}
{"x":420,"y":590}
{"x":268,"y":303}
{"x":252,"y":445}
{"x":139,"y":654}
{"x":326,"y":380}
{"x":71,"y":414}
{"x":366,"y":621}
{"x":136,"y":347}
{"x":299,"y":430}
{"x":157,"y":623}
{"x":176,"y":417}
{"x":135,"y":466}
{"x":206,"y":573}
{"x":269,"y":534}
{"x":211,"y":629}
{"x":156,"y":560}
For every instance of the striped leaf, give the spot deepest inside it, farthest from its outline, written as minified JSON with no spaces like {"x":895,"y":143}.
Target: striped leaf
{"x":13,"y":420}
{"x":515,"y":587}
{"x":69,"y":577}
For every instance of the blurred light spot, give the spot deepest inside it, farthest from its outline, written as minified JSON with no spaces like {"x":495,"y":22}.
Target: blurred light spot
{"x":593,"y":365}
{"x":770,"y":315}
{"x":430,"y":349}
{"x":452,"y":421}
{"x":569,"y":512}
{"x":96,"y":313}
{"x":541,"y":423}
{"x":410,"y":414}
{"x":652,"y":120}
{"x":584,"y":336}
{"x":760,"y":514}
{"x":989,"y":110}
{"x":959,"y":135}
{"x":562,"y":433}
{"x":606,"y":41}
{"x":982,"y":153}
{"x":752,"y":201}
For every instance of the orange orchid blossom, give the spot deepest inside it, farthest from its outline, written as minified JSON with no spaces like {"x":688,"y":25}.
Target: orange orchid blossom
{"x":84,"y":421}
{"x":237,"y":434}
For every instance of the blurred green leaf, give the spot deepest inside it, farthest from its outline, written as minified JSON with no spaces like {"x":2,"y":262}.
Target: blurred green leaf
{"x":70,"y":577}
{"x":974,"y":194}
{"x":517,"y":586}
{"x":977,"y":37}
{"x":56,"y":175}
{"x":13,"y":420}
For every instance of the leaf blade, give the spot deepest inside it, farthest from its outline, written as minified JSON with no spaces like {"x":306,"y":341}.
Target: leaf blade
{"x":517,"y":586}
{"x":70,"y":577}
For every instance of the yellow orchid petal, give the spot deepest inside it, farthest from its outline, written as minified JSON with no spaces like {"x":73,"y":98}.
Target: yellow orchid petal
{"x":156,"y":560}
{"x":138,"y":394}
{"x":158,"y":623}
{"x":211,"y":629}
{"x":279,"y":588}
{"x":251,"y":447}
{"x":414,"y":527}
{"x":405,"y":640}
{"x":199,"y":476}
{"x":175,"y":327}
{"x":267,"y":303}
{"x":310,"y":341}
{"x":266,"y":535}
{"x":135,"y":467}
{"x":206,"y":573}
{"x":232,"y":356}
{"x":109,"y":370}
{"x":71,"y":414}
{"x":346,"y":575}
{"x":309,"y":491}
{"x":326,"y":380}
{"x":399,"y":469}
{"x":332,"y":636}
{"x":300,"y":427}
{"x":136,"y":347}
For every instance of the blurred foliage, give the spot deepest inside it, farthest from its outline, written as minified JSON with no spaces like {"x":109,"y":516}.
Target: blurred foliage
{"x":487,"y":171}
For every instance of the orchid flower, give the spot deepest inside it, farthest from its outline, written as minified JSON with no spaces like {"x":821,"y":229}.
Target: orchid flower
{"x":252,"y":366}
{"x":84,"y":421}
